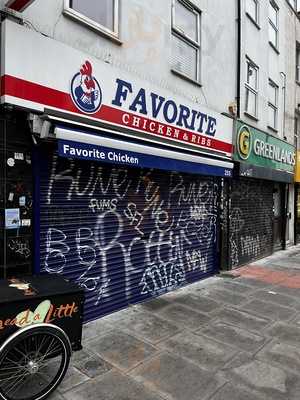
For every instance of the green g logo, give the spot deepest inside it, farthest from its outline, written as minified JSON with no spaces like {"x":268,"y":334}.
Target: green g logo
{"x":244,"y":142}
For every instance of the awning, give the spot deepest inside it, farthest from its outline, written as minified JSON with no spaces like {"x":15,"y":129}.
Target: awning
{"x":93,"y":147}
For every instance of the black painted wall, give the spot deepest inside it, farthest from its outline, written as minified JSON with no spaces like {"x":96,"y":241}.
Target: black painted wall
{"x":16,"y":185}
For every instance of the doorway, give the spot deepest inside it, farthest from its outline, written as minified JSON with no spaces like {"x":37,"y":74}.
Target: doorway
{"x":278,"y":213}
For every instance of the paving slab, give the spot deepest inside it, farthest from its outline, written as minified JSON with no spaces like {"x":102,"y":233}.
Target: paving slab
{"x":235,"y":286}
{"x":156,"y":304}
{"x":234,"y":336}
{"x":112,"y":386}
{"x":281,"y":354}
{"x":93,"y":366}
{"x":292,"y":292}
{"x":117,"y":316}
{"x":72,"y":378}
{"x":149,"y":326}
{"x":184,"y":316}
{"x":56,"y":396}
{"x":233,"y":392}
{"x":287,"y":333}
{"x":177,"y":378}
{"x":275,"y":297}
{"x":198,"y":302}
{"x":242,"y":319}
{"x":255,"y":283}
{"x":270,"y":381}
{"x":96,"y":328}
{"x":206,"y":352}
{"x":121,"y":349}
{"x":269,"y":310}
{"x":224,"y":296}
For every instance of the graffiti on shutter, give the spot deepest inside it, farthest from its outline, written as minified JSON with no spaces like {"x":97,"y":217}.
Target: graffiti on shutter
{"x":251,"y":221}
{"x":125,"y":234}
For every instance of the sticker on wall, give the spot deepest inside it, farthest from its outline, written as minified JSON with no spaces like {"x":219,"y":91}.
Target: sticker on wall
{"x":19,"y":156}
{"x":25,"y":222}
{"x":12,"y":218}
{"x":22,"y":201}
{"x":10,"y":162}
{"x":11,"y":196}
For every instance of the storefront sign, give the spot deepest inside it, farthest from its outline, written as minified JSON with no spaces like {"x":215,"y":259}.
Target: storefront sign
{"x":92,"y":152}
{"x":100,"y":92}
{"x":260,"y":149}
{"x":297,"y":167}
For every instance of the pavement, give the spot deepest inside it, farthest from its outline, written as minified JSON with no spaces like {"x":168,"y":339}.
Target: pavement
{"x":235,"y":336}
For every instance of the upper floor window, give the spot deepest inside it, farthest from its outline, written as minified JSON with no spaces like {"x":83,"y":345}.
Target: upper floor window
{"x":293,"y":3}
{"x":273,"y":105}
{"x":100,"y":15}
{"x":251,"y":88}
{"x":252,"y":10}
{"x":185,"y":40}
{"x":273,"y":24}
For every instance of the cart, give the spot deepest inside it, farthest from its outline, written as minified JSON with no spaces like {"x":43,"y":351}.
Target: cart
{"x":40,"y":326}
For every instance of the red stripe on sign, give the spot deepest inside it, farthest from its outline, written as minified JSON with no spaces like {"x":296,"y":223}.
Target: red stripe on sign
{"x":18,"y":5}
{"x":36,"y":93}
{"x":159,"y":129}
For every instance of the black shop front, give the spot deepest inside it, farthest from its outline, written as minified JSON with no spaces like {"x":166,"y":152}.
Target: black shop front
{"x":258,"y":211}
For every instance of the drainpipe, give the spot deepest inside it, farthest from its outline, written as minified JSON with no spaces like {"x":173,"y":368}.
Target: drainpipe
{"x":239,"y":44}
{"x":286,"y":188}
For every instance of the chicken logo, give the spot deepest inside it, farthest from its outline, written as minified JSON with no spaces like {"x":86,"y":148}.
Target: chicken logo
{"x":85,"y":90}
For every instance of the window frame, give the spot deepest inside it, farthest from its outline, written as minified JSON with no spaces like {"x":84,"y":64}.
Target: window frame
{"x":273,"y":106}
{"x":176,"y":31}
{"x":276,"y":28}
{"x":252,"y":89}
{"x":76,"y":15}
{"x":254,"y":20}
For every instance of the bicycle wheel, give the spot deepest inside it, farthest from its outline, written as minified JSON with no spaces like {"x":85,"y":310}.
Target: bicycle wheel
{"x":33,"y":361}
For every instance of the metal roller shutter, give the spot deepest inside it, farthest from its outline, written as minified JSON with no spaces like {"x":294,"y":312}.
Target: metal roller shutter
{"x":251,"y":220}
{"x":124,"y":234}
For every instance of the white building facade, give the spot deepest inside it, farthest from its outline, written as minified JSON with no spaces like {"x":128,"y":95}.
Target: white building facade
{"x":127,"y":107}
{"x":262,"y":198}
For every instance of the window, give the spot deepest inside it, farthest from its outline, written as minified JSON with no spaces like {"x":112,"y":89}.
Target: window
{"x":185,"y":40}
{"x":273,"y":105}
{"x":273,"y":24}
{"x":100,"y":15}
{"x":293,"y":3}
{"x":251,"y":87}
{"x":298,"y":62}
{"x":252,"y":10}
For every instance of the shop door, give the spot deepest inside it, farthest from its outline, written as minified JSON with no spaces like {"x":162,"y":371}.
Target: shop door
{"x":124,"y":234}
{"x":250,"y":221}
{"x":278,"y":216}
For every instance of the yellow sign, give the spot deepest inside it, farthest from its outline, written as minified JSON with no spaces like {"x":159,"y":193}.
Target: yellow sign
{"x":297,"y":168}
{"x":244,"y":142}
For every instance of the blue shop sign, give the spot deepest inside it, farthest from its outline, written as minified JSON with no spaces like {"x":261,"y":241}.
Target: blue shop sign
{"x":92,"y":152}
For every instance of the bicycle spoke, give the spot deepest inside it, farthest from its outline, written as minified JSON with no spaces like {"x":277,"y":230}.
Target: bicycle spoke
{"x":13,"y":389}
{"x":33,"y":364}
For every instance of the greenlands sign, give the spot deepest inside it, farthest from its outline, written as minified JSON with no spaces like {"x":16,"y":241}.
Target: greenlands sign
{"x":258,"y":148}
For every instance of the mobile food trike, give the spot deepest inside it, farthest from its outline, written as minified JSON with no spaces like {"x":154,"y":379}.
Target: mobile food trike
{"x":40,"y":325}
